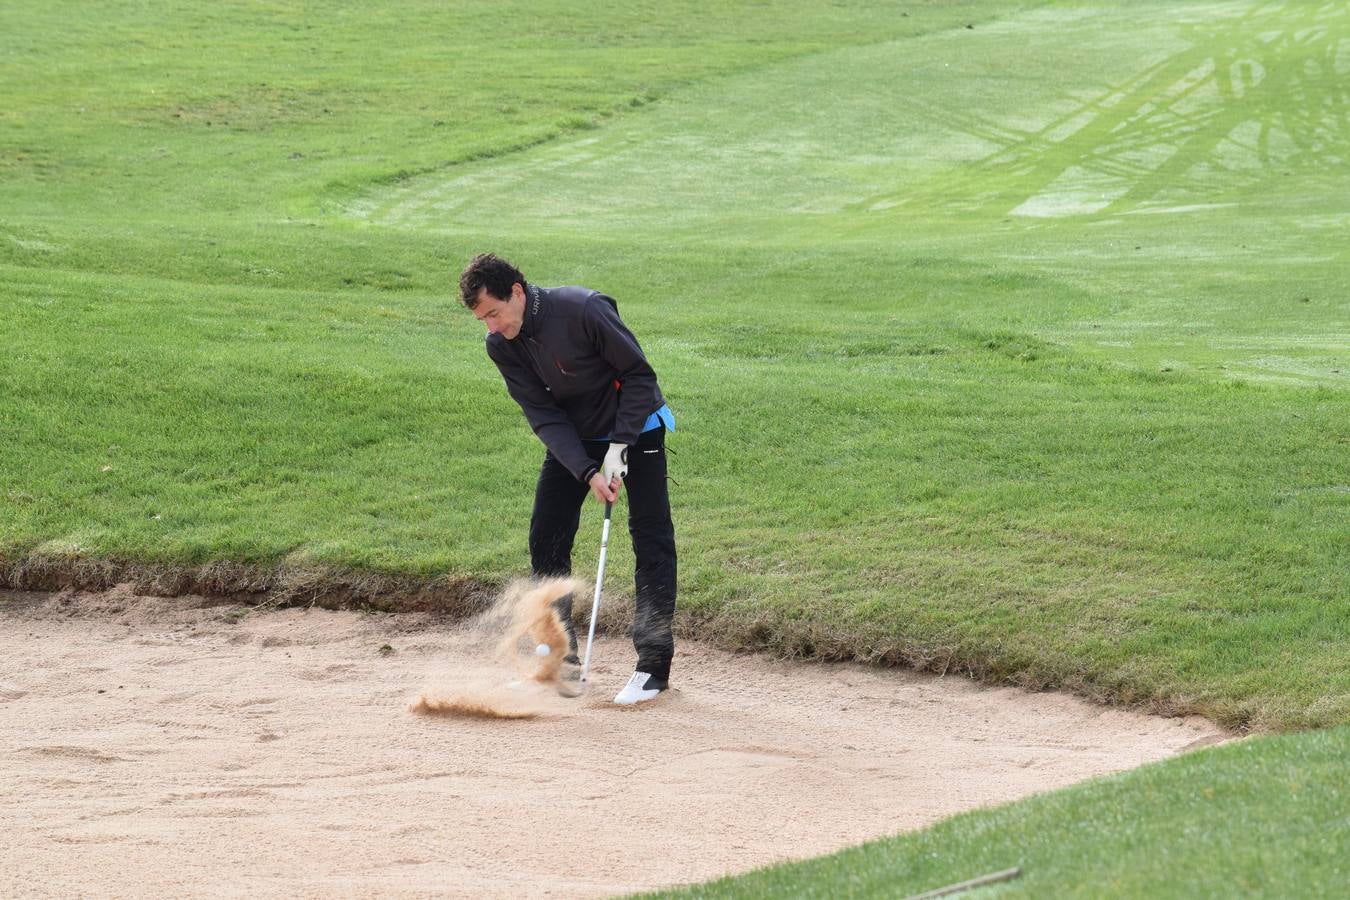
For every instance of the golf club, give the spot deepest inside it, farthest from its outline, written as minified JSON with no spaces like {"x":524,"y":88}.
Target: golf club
{"x":595,"y":604}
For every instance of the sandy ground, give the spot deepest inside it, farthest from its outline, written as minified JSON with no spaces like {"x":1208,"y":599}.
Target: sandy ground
{"x":164,"y":748}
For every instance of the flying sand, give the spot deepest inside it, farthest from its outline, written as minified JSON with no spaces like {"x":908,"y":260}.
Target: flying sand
{"x":526,"y":615}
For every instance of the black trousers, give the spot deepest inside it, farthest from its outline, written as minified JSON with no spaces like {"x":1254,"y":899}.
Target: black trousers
{"x":558,"y":499}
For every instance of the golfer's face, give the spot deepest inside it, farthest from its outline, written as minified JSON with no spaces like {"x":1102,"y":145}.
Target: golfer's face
{"x":502,"y":317}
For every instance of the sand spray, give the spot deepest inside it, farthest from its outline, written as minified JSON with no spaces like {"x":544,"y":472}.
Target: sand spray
{"x":522,"y":619}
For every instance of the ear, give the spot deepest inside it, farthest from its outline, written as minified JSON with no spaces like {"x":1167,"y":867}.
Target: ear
{"x":518,"y":292}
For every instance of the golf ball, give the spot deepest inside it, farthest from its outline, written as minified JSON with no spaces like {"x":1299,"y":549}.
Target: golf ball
{"x":542,"y":650}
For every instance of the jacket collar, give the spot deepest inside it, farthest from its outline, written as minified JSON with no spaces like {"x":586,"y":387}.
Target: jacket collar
{"x":534,"y":313}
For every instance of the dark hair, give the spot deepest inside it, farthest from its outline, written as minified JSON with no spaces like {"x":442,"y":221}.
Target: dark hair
{"x":488,"y":270}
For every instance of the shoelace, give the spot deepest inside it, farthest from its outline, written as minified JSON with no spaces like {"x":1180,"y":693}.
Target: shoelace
{"x":638,"y":679}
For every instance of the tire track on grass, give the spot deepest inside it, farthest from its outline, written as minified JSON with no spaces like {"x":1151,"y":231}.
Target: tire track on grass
{"x":1178,"y":127}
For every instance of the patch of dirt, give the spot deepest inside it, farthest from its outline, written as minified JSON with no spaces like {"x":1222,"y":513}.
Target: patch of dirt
{"x":162,"y":747}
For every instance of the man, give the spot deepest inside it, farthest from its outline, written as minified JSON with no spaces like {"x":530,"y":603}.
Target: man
{"x":589,"y":394}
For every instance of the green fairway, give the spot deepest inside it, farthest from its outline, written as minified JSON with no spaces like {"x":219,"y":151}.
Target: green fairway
{"x":1005,"y":338}
{"x":1025,"y":364}
{"x":1263,"y":818}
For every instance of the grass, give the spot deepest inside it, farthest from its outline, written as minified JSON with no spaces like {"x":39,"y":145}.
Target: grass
{"x":1131,"y":555}
{"x":1262,"y":818}
{"x":972,"y":373}
{"x":1025,"y":364}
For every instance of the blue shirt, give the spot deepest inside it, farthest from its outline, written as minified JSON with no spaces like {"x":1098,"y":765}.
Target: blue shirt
{"x":662,"y":417}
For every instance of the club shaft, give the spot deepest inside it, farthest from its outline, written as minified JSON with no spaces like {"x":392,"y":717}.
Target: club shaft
{"x":595,"y":603}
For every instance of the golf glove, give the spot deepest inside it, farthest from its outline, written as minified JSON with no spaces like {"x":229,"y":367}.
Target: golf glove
{"x":616,"y":463}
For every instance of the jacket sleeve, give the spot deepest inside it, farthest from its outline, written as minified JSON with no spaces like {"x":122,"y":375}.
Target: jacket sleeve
{"x":549,"y":422}
{"x":639,"y":392}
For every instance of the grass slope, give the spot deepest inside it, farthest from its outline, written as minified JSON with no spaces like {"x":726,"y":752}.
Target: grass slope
{"x":1266,"y":817}
{"x":1027,"y":364}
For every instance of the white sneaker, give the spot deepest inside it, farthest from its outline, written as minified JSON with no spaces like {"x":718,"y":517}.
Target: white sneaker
{"x":639,"y":688}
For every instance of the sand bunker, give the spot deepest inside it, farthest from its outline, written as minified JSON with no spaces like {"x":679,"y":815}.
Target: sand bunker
{"x":156,"y":749}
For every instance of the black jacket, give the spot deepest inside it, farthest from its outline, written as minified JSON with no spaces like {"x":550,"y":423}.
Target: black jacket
{"x":577,"y":373}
